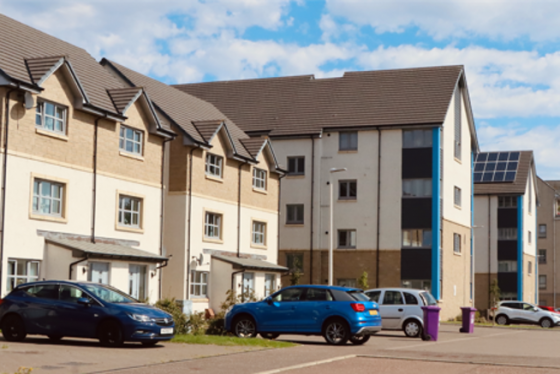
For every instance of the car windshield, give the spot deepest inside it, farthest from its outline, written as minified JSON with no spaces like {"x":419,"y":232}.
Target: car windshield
{"x":428,"y":298}
{"x":359,"y":296}
{"x":110,"y":295}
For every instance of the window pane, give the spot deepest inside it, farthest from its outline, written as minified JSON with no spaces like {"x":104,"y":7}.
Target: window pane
{"x":129,"y":133}
{"x":137,"y":136}
{"x":129,"y":146}
{"x":127,"y":203}
{"x":56,"y":207}
{"x":45,"y":189}
{"x":136,"y":148}
{"x":343,"y":189}
{"x":45,"y":206}
{"x":127,"y":218}
{"x":59,"y":113}
{"x":49,"y":123}
{"x":49,"y":109}
{"x":21,"y":267}
{"x":353,"y":189}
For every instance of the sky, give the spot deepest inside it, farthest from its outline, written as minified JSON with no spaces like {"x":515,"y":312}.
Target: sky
{"x":510,"y":48}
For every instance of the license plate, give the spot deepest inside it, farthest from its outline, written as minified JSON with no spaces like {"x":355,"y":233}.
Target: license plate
{"x":167,"y":331}
{"x":373,"y":312}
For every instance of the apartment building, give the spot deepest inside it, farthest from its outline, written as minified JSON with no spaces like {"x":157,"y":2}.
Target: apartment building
{"x":81,"y":169}
{"x":402,"y":209}
{"x":506,"y":199}
{"x":221,"y":221}
{"x":548,"y":216}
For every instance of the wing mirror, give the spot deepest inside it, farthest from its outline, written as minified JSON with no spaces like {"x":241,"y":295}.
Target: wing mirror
{"x":268,"y":300}
{"x":84,"y":301}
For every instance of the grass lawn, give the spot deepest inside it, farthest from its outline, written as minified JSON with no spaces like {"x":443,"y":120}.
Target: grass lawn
{"x":230,"y":341}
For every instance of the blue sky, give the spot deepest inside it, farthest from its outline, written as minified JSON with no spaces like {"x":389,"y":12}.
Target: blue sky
{"x":510,"y":48}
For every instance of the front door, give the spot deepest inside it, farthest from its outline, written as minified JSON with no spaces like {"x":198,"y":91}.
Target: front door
{"x":99,"y":272}
{"x":528,"y":314}
{"x":391,"y":309}
{"x":137,"y":281}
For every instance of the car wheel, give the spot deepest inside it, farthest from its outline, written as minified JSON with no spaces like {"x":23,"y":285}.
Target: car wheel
{"x":13,"y":329}
{"x":150,"y":344}
{"x":110,"y":334}
{"x":245,"y":327}
{"x":412,"y":328}
{"x":55,"y":338}
{"x":502,"y":320}
{"x":359,"y":339}
{"x":269,"y":335}
{"x":546,"y":323}
{"x":336,"y":332}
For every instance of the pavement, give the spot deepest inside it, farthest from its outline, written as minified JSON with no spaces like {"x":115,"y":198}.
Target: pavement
{"x":488,"y":350}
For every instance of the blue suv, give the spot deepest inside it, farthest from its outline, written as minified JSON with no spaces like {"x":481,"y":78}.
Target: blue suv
{"x":82,"y":310}
{"x":338,"y":314}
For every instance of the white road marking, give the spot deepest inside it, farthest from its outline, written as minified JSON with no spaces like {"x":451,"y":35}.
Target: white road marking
{"x":307,"y":364}
{"x":424,"y":344}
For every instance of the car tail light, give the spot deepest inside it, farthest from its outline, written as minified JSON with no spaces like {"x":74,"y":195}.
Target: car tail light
{"x":358,"y":307}
{"x":1,"y":301}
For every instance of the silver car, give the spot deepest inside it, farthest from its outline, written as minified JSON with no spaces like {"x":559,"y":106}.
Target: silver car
{"x":523,"y":313}
{"x":400,"y":308}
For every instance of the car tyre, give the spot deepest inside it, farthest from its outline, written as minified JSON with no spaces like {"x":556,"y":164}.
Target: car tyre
{"x":245,"y":327}
{"x":13,"y":329}
{"x":336,"y":332}
{"x":359,"y":339}
{"x":150,"y":343}
{"x":55,"y":338}
{"x":110,"y":334}
{"x":412,"y":328}
{"x":269,"y":335}
{"x":546,"y":323}
{"x":502,"y":320}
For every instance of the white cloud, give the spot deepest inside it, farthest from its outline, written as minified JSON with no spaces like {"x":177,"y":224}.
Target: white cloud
{"x":496,"y":19}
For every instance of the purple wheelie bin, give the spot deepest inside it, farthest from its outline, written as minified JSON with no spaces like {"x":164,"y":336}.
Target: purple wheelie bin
{"x":431,"y":322}
{"x":468,"y":320}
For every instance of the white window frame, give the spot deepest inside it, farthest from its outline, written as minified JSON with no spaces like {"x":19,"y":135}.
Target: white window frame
{"x":136,"y":141}
{"x":269,"y":284}
{"x":15,"y":278}
{"x":351,"y":239}
{"x":415,"y":238}
{"x":213,"y":225}
{"x":457,"y":197}
{"x":124,"y":211}
{"x":41,"y":117}
{"x":417,"y":188}
{"x":259,"y":179}
{"x":214,"y":165}
{"x":258,"y":233}
{"x":346,"y":140}
{"x":38,"y":197}
{"x":457,"y":243}
{"x":199,"y":279}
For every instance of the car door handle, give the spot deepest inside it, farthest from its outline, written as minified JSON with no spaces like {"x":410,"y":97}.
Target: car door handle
{"x":400,"y":309}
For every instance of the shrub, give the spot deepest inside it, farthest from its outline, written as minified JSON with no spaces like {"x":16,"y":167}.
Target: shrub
{"x":216,"y":326}
{"x":197,"y":324}
{"x":170,"y":306}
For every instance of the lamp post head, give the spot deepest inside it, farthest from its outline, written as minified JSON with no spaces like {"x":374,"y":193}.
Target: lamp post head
{"x":336,"y":170}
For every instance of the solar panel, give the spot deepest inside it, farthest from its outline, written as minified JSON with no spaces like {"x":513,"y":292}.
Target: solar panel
{"x":496,"y":167}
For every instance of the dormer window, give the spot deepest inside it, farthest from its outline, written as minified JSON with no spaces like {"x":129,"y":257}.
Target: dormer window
{"x":130,"y":141}
{"x":259,"y":179}
{"x":50,"y":117}
{"x":214,"y":165}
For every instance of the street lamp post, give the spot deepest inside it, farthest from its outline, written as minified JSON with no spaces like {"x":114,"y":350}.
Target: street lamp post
{"x":331,"y":229}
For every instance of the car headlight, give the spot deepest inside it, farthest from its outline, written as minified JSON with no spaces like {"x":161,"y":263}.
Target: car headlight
{"x":141,"y":318}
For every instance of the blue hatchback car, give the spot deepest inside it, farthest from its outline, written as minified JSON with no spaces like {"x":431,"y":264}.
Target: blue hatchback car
{"x":338,"y":314}
{"x":83,"y":310}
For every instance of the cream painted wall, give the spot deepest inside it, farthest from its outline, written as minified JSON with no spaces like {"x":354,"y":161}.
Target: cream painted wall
{"x":456,"y":172}
{"x":481,"y":233}
{"x":530,"y":217}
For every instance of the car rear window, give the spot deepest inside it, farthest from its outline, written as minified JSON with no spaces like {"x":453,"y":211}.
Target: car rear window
{"x":410,"y":299}
{"x":43,"y":291}
{"x":358,"y":295}
{"x":374,"y":295}
{"x":427,"y":298}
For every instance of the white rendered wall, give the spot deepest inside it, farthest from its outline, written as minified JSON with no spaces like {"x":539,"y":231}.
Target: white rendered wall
{"x":530,"y":217}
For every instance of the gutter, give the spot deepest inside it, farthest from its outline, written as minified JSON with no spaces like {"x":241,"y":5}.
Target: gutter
{"x":94,"y":192}
{"x":378,"y":240}
{"x":490,"y":252}
{"x":279,"y":215}
{"x":71,"y":267}
{"x":311,"y":233}
{"x":239,"y":210}
{"x":162,"y":211}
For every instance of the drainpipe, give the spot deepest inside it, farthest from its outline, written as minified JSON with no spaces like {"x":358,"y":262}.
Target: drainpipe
{"x":71,"y":267}
{"x":189,"y":225}
{"x":554,"y":250}
{"x":4,"y":177}
{"x":239,"y":210}
{"x":489,"y":250}
{"x":311,"y":233}
{"x":279,"y":214}
{"x":378,"y":240}
{"x":94,"y":191}
{"x":162,"y":211}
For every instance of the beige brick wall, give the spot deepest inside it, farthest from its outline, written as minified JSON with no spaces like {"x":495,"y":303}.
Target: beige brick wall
{"x":256,"y":198}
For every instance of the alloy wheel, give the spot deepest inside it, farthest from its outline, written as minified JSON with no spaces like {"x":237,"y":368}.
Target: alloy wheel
{"x":335,"y":333}
{"x":245,"y":328}
{"x":412,"y":329}
{"x":501,"y":320}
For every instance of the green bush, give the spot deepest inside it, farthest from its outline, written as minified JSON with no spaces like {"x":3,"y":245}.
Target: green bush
{"x":170,"y":306}
{"x":197,"y":324}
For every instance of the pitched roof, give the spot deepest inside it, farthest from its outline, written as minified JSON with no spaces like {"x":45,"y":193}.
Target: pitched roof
{"x":303,"y":105}
{"x":250,"y":263}
{"x":124,"y":97}
{"x":207,"y":129}
{"x":40,"y":68}
{"x":517,"y":187}
{"x":183,"y":109}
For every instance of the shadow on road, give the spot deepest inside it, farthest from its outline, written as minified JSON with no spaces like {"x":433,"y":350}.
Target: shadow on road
{"x":78,"y":343}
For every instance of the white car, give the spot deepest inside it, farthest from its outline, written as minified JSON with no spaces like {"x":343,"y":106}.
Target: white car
{"x":400,"y":308}
{"x":525,"y":313}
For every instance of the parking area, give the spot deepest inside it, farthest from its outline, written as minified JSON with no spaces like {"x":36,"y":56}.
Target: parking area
{"x":489,"y":349}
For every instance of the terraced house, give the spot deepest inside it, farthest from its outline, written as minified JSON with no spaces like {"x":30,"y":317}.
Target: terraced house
{"x":221,"y":224}
{"x":81,"y":169}
{"x":402,"y":210}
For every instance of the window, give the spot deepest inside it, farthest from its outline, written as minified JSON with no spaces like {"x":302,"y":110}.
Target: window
{"x":72,"y":294}
{"x":129,"y":211}
{"x":130,"y":140}
{"x":296,"y":165}
{"x":542,"y":282}
{"x":98,"y":272}
{"x":419,"y":284}
{"x":287,"y":295}
{"x":50,"y":117}
{"x":456,"y":243}
{"x":507,"y":202}
{"x":259,"y":233}
{"x":269,"y":284}
{"x":137,"y":281}
{"x":347,"y":190}
{"x":507,"y":234}
{"x":199,"y":283}
{"x":294,"y":261}
{"x":318,"y":294}
{"x":417,"y":238}
{"x":259,"y":178}
{"x":43,"y":291}
{"x":348,"y":141}
{"x":294,"y":214}
{"x":248,"y":282}
{"x":417,"y":138}
{"x":457,"y":197}
{"x":417,"y":187}
{"x":346,"y":282}
{"x":457,"y":135}
{"x":530,"y":236}
{"x":410,"y":299}
{"x":346,"y":238}
{"x":213,"y":226}
{"x":542,"y":256}
{"x":214,"y":165}
{"x":47,"y":198}
{"x":530,"y":267}
{"x":393,"y":298}
{"x":21,"y":271}
{"x":374,"y":295}
{"x":542,"y":231}
{"x":507,"y":266}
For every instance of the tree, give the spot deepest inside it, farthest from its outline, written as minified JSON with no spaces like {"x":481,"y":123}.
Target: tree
{"x":494,"y":293}
{"x":295,"y":274}
{"x":363,"y":281}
